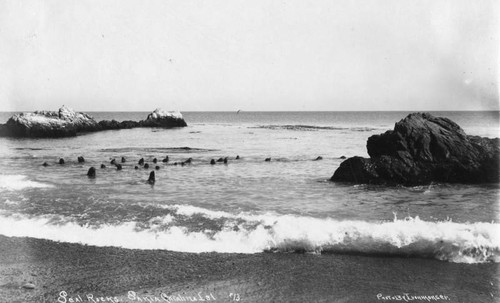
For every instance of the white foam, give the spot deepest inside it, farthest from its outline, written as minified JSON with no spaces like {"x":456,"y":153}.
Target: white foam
{"x":449,"y":241}
{"x":19,"y":182}
{"x":160,"y":113}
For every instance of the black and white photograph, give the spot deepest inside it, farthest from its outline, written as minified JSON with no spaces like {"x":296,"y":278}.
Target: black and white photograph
{"x":249,"y":151}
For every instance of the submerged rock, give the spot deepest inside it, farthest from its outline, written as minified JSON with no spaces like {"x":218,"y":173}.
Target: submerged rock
{"x":423,"y":149}
{"x":29,"y":286}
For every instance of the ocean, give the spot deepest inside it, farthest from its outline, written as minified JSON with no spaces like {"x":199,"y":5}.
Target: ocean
{"x":251,"y":206}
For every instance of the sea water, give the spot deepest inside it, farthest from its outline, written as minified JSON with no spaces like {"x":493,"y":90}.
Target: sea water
{"x":248,"y":205}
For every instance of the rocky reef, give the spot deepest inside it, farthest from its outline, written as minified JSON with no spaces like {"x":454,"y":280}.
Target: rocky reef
{"x":66,"y":123}
{"x":423,"y":149}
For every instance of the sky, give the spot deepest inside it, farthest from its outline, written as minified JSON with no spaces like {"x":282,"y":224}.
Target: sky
{"x":258,"y":55}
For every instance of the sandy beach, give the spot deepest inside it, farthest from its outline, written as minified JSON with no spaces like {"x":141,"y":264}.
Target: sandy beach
{"x":63,"y":272}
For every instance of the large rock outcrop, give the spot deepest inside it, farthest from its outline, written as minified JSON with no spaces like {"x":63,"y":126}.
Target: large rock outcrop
{"x":66,"y":123}
{"x":62,"y":123}
{"x":161,"y":118}
{"x":423,"y":149}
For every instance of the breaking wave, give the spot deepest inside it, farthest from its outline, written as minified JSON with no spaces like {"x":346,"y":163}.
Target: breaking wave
{"x":250,"y":233}
{"x":19,"y":182}
{"x":300,"y":127}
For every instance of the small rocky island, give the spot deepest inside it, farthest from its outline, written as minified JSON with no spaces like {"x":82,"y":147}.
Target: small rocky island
{"x":423,"y":149}
{"x":66,"y":123}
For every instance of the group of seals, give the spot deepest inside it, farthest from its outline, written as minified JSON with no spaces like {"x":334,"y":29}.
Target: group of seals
{"x":91,"y":173}
{"x":212,"y":162}
{"x":165,"y":160}
{"x":224,"y":160}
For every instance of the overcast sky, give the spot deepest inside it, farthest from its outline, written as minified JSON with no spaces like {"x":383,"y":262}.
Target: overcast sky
{"x":213,"y":55}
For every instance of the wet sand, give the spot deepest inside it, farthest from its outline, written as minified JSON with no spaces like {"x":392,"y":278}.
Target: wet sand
{"x":87,"y":273}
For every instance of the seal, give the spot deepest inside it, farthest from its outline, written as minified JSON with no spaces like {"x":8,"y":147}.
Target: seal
{"x":151,"y":179}
{"x":91,"y":172}
{"x":268,"y":160}
{"x":212,"y":161}
{"x":103,"y":166}
{"x":123,"y":160}
{"x":141,"y":161}
{"x":81,"y":159}
{"x":165,"y":160}
{"x":146,"y":165}
{"x":118,"y":166}
{"x":61,"y":161}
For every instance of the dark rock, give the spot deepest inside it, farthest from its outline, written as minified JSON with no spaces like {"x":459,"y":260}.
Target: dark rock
{"x":109,"y":125}
{"x":146,"y":165}
{"x":152,"y":178}
{"x":318,"y":158}
{"x":423,"y":149}
{"x":182,"y":164}
{"x":118,"y":166}
{"x":29,"y":286}
{"x":136,"y":167}
{"x":127,"y":124}
{"x":268,"y":160}
{"x":220,"y":160}
{"x":237,"y":157}
{"x":141,"y":161}
{"x":212,"y":161}
{"x":225,"y":160}
{"x":103,"y":166}
{"x":157,"y":167}
{"x":342,"y":157}
{"x":113,"y":161}
{"x":113,"y":124}
{"x":165,"y":160}
{"x":155,"y":160}
{"x":189,"y":161}
{"x":81,"y":159}
{"x":45,"y":164}
{"x":124,"y":160}
{"x":61,"y":161}
{"x":91,"y":172}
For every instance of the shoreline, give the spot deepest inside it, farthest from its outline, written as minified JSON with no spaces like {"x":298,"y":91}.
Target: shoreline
{"x":89,"y":272}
